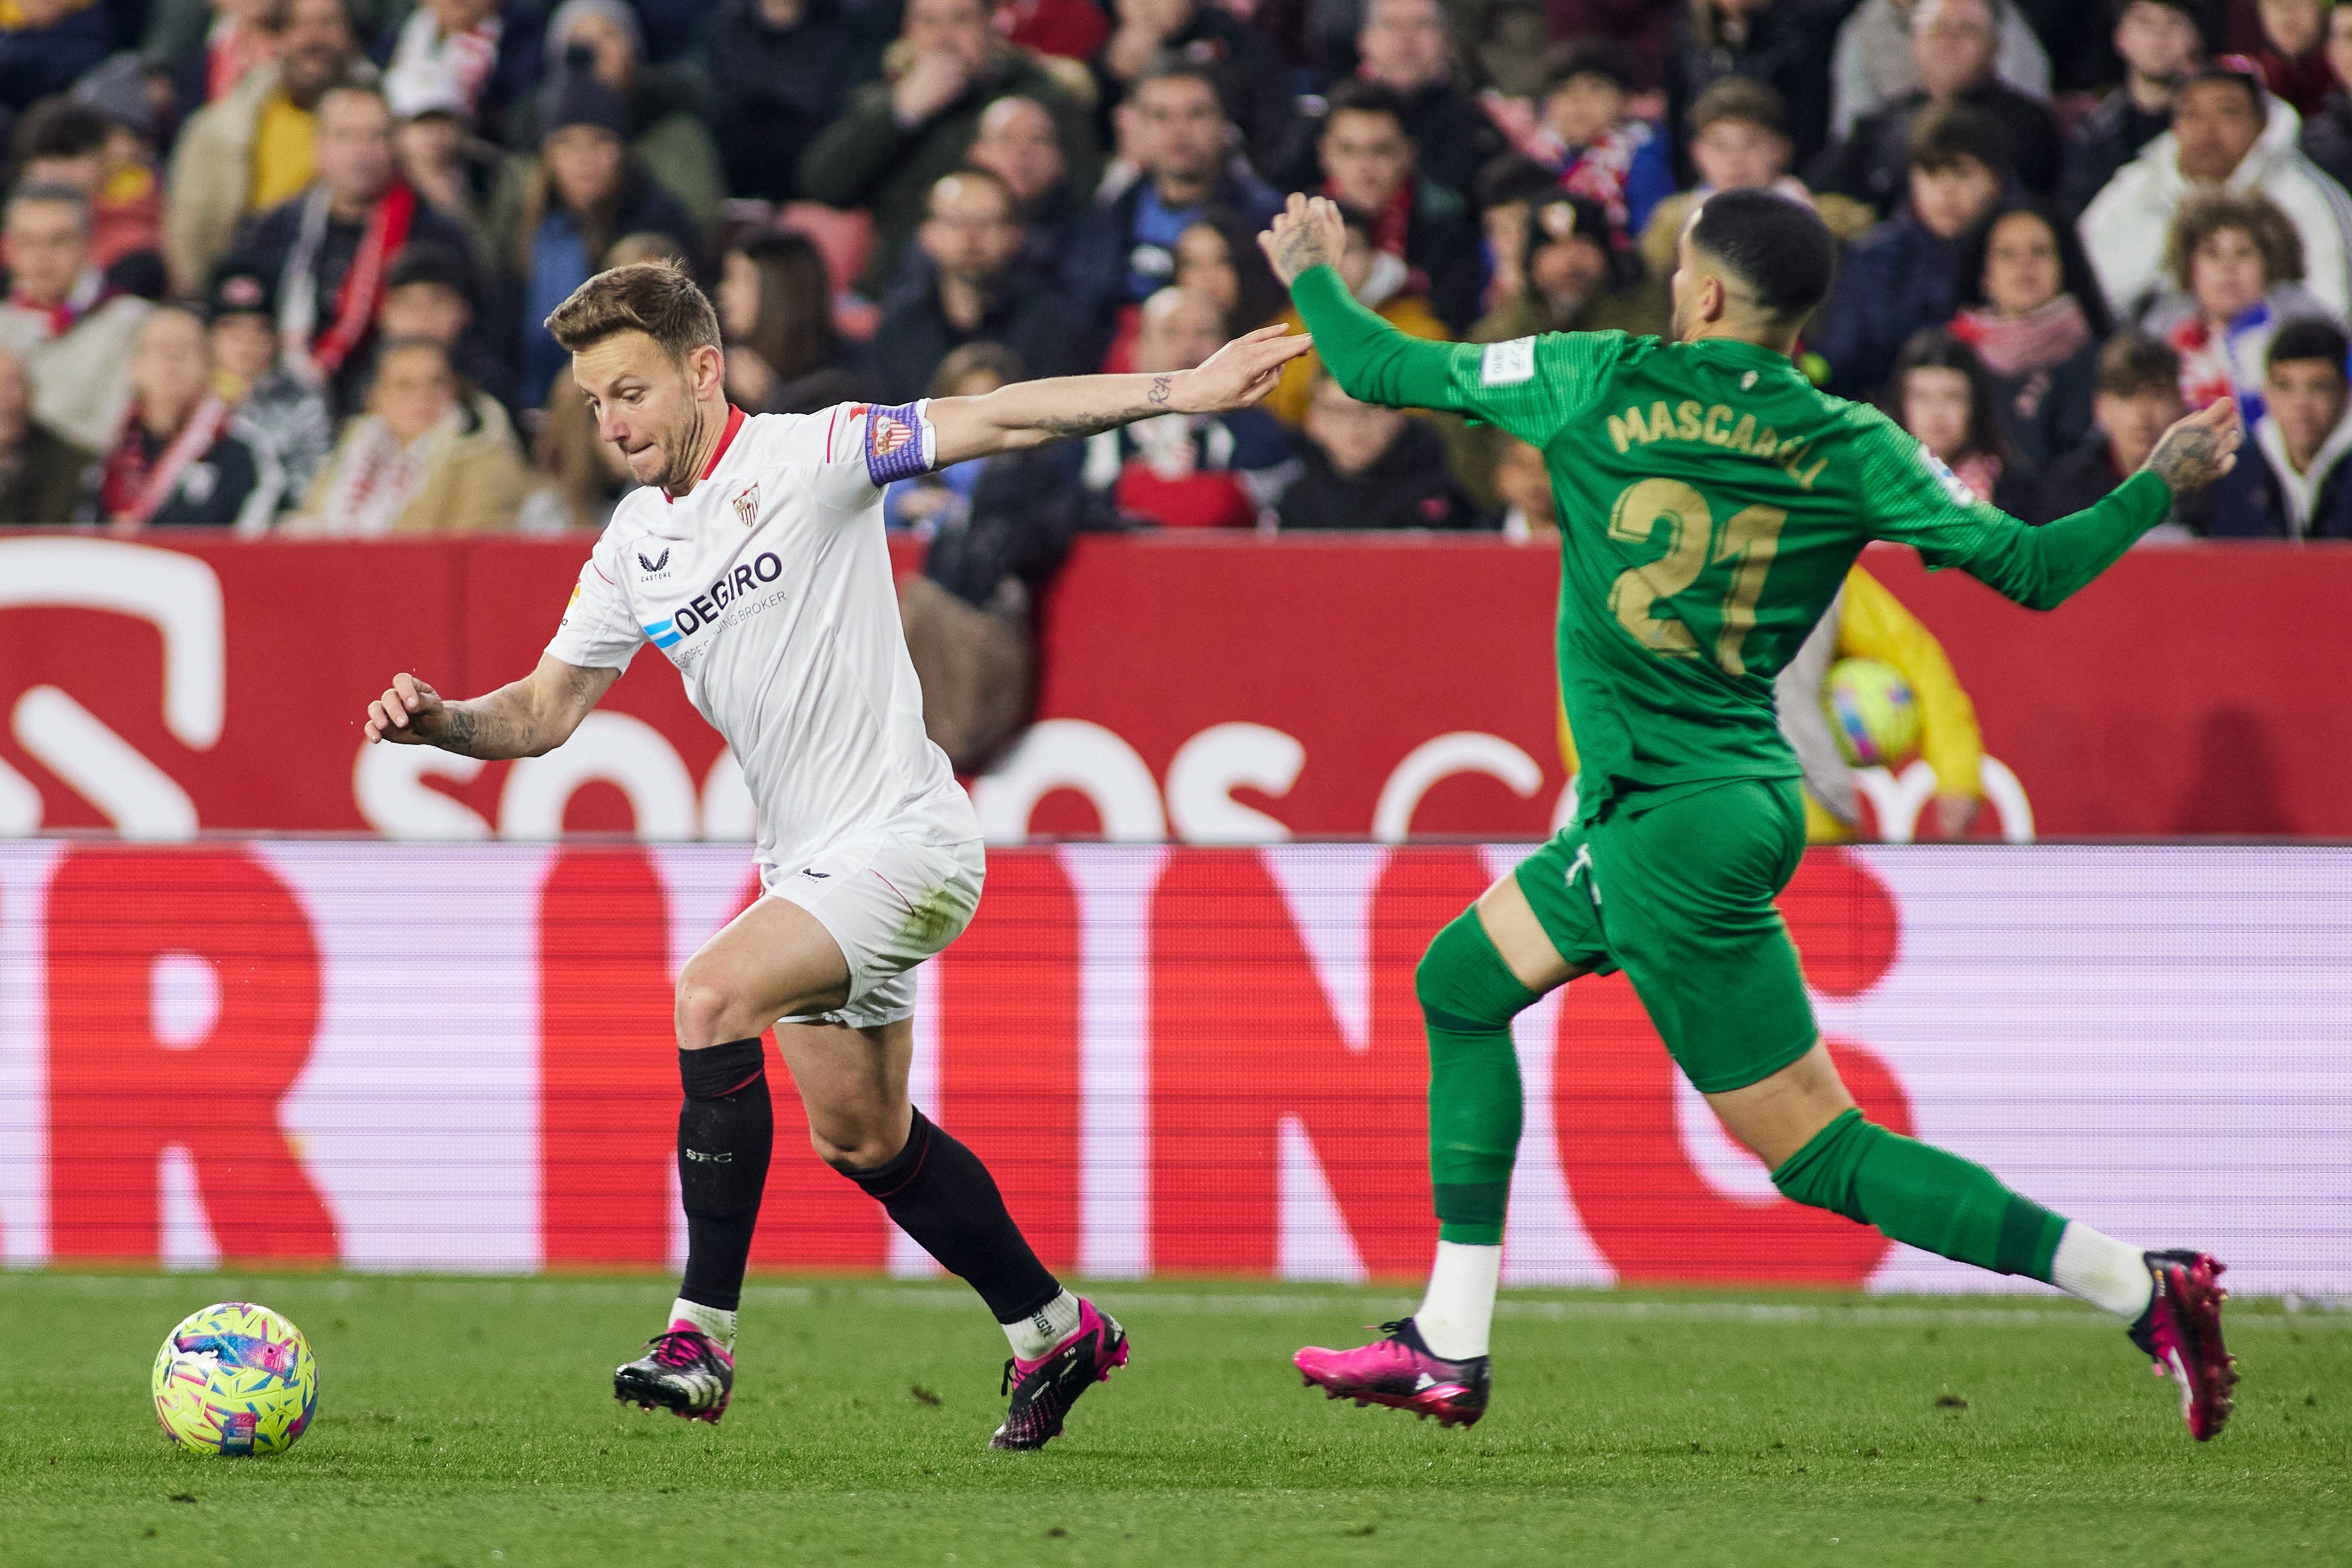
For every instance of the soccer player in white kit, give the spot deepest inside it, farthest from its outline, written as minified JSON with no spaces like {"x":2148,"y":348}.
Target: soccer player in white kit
{"x":754,"y":559}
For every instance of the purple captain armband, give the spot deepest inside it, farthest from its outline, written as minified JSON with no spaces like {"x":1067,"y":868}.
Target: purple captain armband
{"x":898,"y":442}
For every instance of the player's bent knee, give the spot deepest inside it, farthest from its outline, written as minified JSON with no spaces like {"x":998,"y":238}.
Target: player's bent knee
{"x":1463,"y":986}
{"x":1822,"y":1173}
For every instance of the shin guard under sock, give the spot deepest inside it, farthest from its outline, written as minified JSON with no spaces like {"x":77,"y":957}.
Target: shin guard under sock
{"x":726,"y":1132}
{"x":937,"y":1192}
{"x":1920,"y":1195}
{"x":1468,"y":997}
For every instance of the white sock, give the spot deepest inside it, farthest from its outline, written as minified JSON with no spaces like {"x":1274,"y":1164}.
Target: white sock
{"x":715,"y":1322}
{"x":1459,"y":1310}
{"x":2102,"y":1271}
{"x":1035,"y":1337}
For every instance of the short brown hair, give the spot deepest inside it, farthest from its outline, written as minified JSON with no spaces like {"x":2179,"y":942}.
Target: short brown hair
{"x":2252,"y":213}
{"x":1943,"y":134}
{"x":656,"y":298}
{"x":1742,"y":99}
{"x":2131,"y":363}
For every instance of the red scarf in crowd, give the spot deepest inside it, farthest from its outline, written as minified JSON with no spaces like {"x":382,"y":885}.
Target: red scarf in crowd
{"x":363,"y":286}
{"x":91,"y":291}
{"x":1389,"y":226}
{"x":131,"y":490}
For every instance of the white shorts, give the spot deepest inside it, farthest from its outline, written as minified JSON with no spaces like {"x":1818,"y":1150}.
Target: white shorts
{"x":890,"y":899}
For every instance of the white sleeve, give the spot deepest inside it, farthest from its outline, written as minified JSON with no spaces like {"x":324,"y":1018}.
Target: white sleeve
{"x":860,"y":447}
{"x":598,"y":633}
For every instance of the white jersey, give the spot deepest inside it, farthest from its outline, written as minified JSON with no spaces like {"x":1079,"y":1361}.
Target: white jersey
{"x":769,"y":586}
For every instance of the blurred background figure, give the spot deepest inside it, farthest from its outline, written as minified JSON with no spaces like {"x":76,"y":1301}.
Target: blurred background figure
{"x":579,"y":478}
{"x":784,"y":355}
{"x":2290,"y":482}
{"x":1940,"y":393}
{"x":40,"y":471}
{"x":1737,"y":137}
{"x":417,"y":461}
{"x":662,"y":104}
{"x":287,"y":413}
{"x":971,"y":286}
{"x":65,"y":326}
{"x":2030,"y":306}
{"x":780,"y":69}
{"x":67,"y":141}
{"x":1523,"y":486}
{"x":2236,"y":269}
{"x":2158,"y":44}
{"x":1217,"y":256}
{"x":2137,"y":398}
{"x":184,"y":459}
{"x":1369,"y":468}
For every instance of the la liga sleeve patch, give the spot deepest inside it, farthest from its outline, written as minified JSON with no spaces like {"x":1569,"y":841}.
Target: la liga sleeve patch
{"x":896,"y":447}
{"x":1507,"y":364}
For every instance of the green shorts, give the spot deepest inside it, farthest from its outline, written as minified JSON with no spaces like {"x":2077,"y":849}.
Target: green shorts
{"x":1679,"y":896}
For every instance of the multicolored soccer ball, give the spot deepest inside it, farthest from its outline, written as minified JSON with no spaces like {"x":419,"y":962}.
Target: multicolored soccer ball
{"x":1872,"y":712}
{"x":236,"y":1378}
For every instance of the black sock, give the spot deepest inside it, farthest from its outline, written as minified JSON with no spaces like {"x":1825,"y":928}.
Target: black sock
{"x":725,"y":1134}
{"x":939,"y":1194}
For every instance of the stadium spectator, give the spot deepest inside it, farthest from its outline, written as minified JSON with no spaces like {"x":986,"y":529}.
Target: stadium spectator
{"x":2236,"y":264}
{"x":2293,"y":481}
{"x":922,"y":503}
{"x":1019,"y":143}
{"x":1369,"y":467}
{"x":900,"y":134}
{"x":418,"y":461}
{"x":331,"y":247}
{"x":1382,"y":285}
{"x":1784,"y":44}
{"x":579,"y":478}
{"x":183,"y":459}
{"x":780,"y":69}
{"x":40,"y":471}
{"x":2138,"y":401}
{"x":2031,"y":309}
{"x":1124,"y":253}
{"x":253,"y":149}
{"x":2293,"y":55}
{"x":1406,"y":46}
{"x":288,"y":412}
{"x":485,"y":52}
{"x":1878,"y":61}
{"x":70,"y":333}
{"x":240,"y":36}
{"x":2223,"y":135}
{"x":662,"y":105}
{"x":1509,"y":189}
{"x":1369,"y":163}
{"x":1597,"y":148}
{"x":1242,"y":66}
{"x":427,"y":295}
{"x":1190,"y":471}
{"x":999,"y":528}
{"x":1576,"y":277}
{"x":1940,"y":393}
{"x":47,"y":44}
{"x":1866,"y":621}
{"x":1522,"y":484}
{"x":588,"y":191}
{"x":1218,"y":256}
{"x":784,"y":354}
{"x":2159,"y":44}
{"x":971,"y":290}
{"x":452,"y":170}
{"x":1738,"y":139}
{"x":62,"y":141}
{"x":2327,"y":136}
{"x":1905,"y":274}
{"x":1953,"y":43}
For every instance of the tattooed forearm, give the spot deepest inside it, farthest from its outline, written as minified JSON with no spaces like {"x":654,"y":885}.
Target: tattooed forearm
{"x":1157,"y":399}
{"x":487,"y":728}
{"x":2189,"y":457}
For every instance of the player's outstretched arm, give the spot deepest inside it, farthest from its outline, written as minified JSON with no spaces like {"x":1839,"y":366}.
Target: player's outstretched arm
{"x":528,"y":717}
{"x":1030,"y":414}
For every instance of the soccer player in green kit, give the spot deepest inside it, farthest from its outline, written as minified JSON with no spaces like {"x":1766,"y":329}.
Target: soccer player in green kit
{"x":1710,"y":501}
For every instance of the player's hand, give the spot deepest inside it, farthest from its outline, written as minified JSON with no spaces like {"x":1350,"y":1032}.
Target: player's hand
{"x":2201,"y":448}
{"x":1241,"y":373}
{"x":1307,"y":232}
{"x":409,"y":713}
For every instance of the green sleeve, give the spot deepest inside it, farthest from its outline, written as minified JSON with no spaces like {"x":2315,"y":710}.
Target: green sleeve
{"x":1530,"y":387}
{"x":1919,"y":502}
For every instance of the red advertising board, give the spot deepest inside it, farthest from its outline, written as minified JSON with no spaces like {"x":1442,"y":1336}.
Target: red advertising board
{"x":1195,"y":690}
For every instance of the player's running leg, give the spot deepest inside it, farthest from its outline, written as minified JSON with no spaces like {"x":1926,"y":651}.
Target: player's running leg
{"x":1478,"y":973}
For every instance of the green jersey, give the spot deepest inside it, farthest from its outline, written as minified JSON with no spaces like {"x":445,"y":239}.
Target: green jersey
{"x":1711,"y":501}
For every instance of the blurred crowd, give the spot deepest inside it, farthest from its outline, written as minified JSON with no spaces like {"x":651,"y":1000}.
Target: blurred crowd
{"x":281,"y":265}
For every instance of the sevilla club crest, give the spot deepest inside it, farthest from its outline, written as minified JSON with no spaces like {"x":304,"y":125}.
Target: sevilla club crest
{"x":746,"y":507}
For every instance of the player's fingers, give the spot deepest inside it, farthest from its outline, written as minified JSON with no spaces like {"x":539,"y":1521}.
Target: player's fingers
{"x":1296,"y":207}
{"x":404,"y":685}
{"x":1274,"y":329}
{"x":395,"y":710}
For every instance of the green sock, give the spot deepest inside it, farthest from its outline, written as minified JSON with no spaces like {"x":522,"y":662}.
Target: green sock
{"x":1920,"y":1195}
{"x":1468,"y":997}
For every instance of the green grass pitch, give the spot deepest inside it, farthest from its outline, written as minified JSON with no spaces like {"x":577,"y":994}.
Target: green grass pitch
{"x":469,"y":1421}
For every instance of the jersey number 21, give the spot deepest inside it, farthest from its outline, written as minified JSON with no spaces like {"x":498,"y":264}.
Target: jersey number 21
{"x":1746,"y":542}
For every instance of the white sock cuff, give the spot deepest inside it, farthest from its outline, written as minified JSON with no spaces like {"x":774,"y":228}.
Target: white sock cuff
{"x":1458,"y":1313}
{"x":715,"y":1322}
{"x":2100,"y":1270}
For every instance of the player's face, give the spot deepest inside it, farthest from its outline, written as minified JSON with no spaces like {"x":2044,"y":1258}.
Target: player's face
{"x":645,"y":403}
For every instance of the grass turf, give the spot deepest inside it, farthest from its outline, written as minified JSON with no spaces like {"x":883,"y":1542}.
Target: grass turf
{"x":469,"y":1422}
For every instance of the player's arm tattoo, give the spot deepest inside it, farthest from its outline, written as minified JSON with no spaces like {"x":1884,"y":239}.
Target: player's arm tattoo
{"x":1156,"y":398}
{"x":2189,"y":457}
